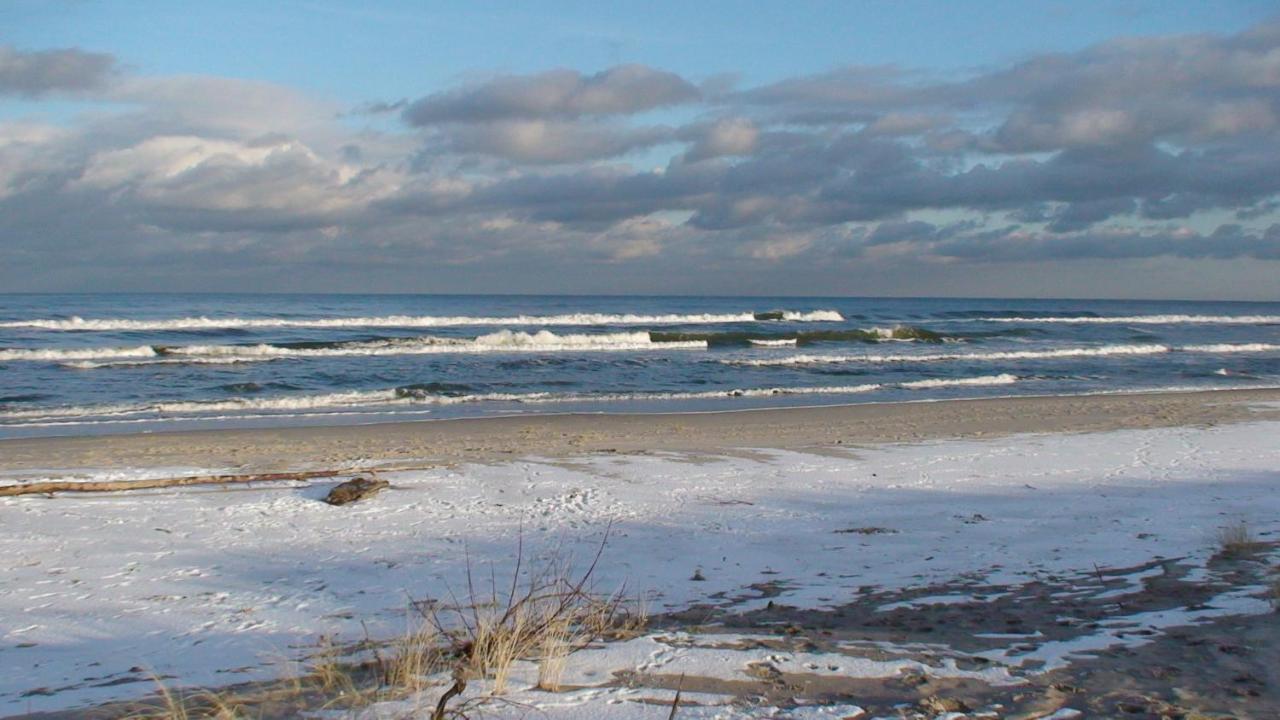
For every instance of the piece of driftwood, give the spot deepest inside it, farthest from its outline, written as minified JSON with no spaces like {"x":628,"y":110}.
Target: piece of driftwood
{"x":355,"y":489}
{"x":43,"y":488}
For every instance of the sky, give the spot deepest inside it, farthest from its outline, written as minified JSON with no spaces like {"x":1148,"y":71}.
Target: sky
{"x":895,"y":148}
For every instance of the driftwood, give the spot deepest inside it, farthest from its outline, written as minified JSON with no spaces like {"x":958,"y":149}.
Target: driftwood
{"x":43,"y":488}
{"x":355,"y":490}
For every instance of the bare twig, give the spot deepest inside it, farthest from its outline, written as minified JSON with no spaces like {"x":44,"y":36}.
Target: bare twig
{"x":459,"y":686}
{"x":675,"y":703}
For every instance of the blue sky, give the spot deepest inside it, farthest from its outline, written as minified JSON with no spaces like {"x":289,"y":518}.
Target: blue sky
{"x":361,"y":51}
{"x":907,"y":148}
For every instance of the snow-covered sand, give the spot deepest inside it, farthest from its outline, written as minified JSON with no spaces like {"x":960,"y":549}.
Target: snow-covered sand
{"x":214,"y":585}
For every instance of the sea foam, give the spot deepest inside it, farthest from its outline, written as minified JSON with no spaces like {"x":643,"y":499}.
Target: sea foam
{"x":501,"y":341}
{"x":1103,"y":351}
{"x":378,"y":400}
{"x":75,"y":323}
{"x":1146,"y":319}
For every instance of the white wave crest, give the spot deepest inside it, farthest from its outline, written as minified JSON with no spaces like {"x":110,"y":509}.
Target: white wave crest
{"x":784,"y":342}
{"x":406,"y":321}
{"x":813,"y":316}
{"x":1102,"y":351}
{"x":51,"y":354}
{"x":97,"y":364}
{"x":1002,"y":379}
{"x":938,"y":357}
{"x":1229,"y":348}
{"x":163,"y":409}
{"x":378,"y":400}
{"x":1148,"y":319}
{"x":502,"y":341}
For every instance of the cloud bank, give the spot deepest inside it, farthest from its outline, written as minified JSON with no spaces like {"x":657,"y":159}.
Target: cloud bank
{"x":1112,"y":170}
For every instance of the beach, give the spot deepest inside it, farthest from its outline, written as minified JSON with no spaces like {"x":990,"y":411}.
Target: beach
{"x":599,"y":361}
{"x":828,"y":561}
{"x":486,"y":440}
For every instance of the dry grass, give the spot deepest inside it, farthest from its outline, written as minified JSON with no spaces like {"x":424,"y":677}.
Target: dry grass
{"x":557,"y":644}
{"x":1236,"y":539}
{"x":413,"y":659}
{"x":173,"y":705}
{"x":541,"y":616}
{"x":544,"y":620}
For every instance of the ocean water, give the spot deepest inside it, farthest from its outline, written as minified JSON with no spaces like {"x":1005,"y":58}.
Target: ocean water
{"x":85,"y":364}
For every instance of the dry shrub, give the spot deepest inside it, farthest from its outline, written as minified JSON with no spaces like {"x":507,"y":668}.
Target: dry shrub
{"x":544,"y":619}
{"x":557,"y":643}
{"x":1236,"y":539}
{"x":415,"y":657}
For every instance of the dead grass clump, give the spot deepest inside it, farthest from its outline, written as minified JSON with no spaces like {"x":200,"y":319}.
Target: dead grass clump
{"x":414,"y":658}
{"x":543,"y":620}
{"x":1236,"y":539}
{"x":542,"y":616}
{"x":174,"y":705}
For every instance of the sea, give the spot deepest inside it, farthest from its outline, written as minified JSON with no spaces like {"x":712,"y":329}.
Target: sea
{"x":81,"y":364}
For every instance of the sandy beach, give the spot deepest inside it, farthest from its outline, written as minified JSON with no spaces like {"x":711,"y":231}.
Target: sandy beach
{"x":639,"y":361}
{"x":548,"y":435}
{"x":1015,"y":557}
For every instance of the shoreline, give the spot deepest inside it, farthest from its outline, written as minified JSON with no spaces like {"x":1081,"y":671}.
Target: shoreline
{"x":394,"y":445}
{"x":940,"y":562}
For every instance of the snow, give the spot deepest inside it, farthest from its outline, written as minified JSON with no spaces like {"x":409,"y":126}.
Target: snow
{"x":215,"y":585}
{"x":26,"y":477}
{"x":628,"y":704}
{"x":1121,"y":630}
{"x":705,"y":657}
{"x":954,"y":599}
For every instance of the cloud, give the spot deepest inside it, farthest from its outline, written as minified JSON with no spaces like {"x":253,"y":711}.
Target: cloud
{"x":551,"y":141}
{"x":1227,"y":241}
{"x":1129,"y":151}
{"x":33,"y":74}
{"x":203,"y":184}
{"x":915,"y":231}
{"x":1188,"y":88}
{"x":725,"y":137}
{"x":216,"y":106}
{"x":557,"y":94}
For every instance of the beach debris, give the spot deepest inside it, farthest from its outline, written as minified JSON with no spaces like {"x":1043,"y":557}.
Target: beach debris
{"x":60,"y":486}
{"x":355,"y":489}
{"x":698,"y":576}
{"x":867,"y":531}
{"x":941,"y":705}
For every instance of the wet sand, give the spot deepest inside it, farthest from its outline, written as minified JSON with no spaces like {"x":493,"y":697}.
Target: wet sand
{"x":415,"y":444}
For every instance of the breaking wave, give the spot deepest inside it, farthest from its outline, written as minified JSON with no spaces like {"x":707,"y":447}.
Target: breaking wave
{"x":1002,"y":379}
{"x":803,"y":337}
{"x":433,"y":394}
{"x":796,"y":316}
{"x":1103,"y":351}
{"x":1146,"y":319}
{"x":1228,"y":348}
{"x":409,"y":321}
{"x":56,"y":355}
{"x":501,"y":341}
